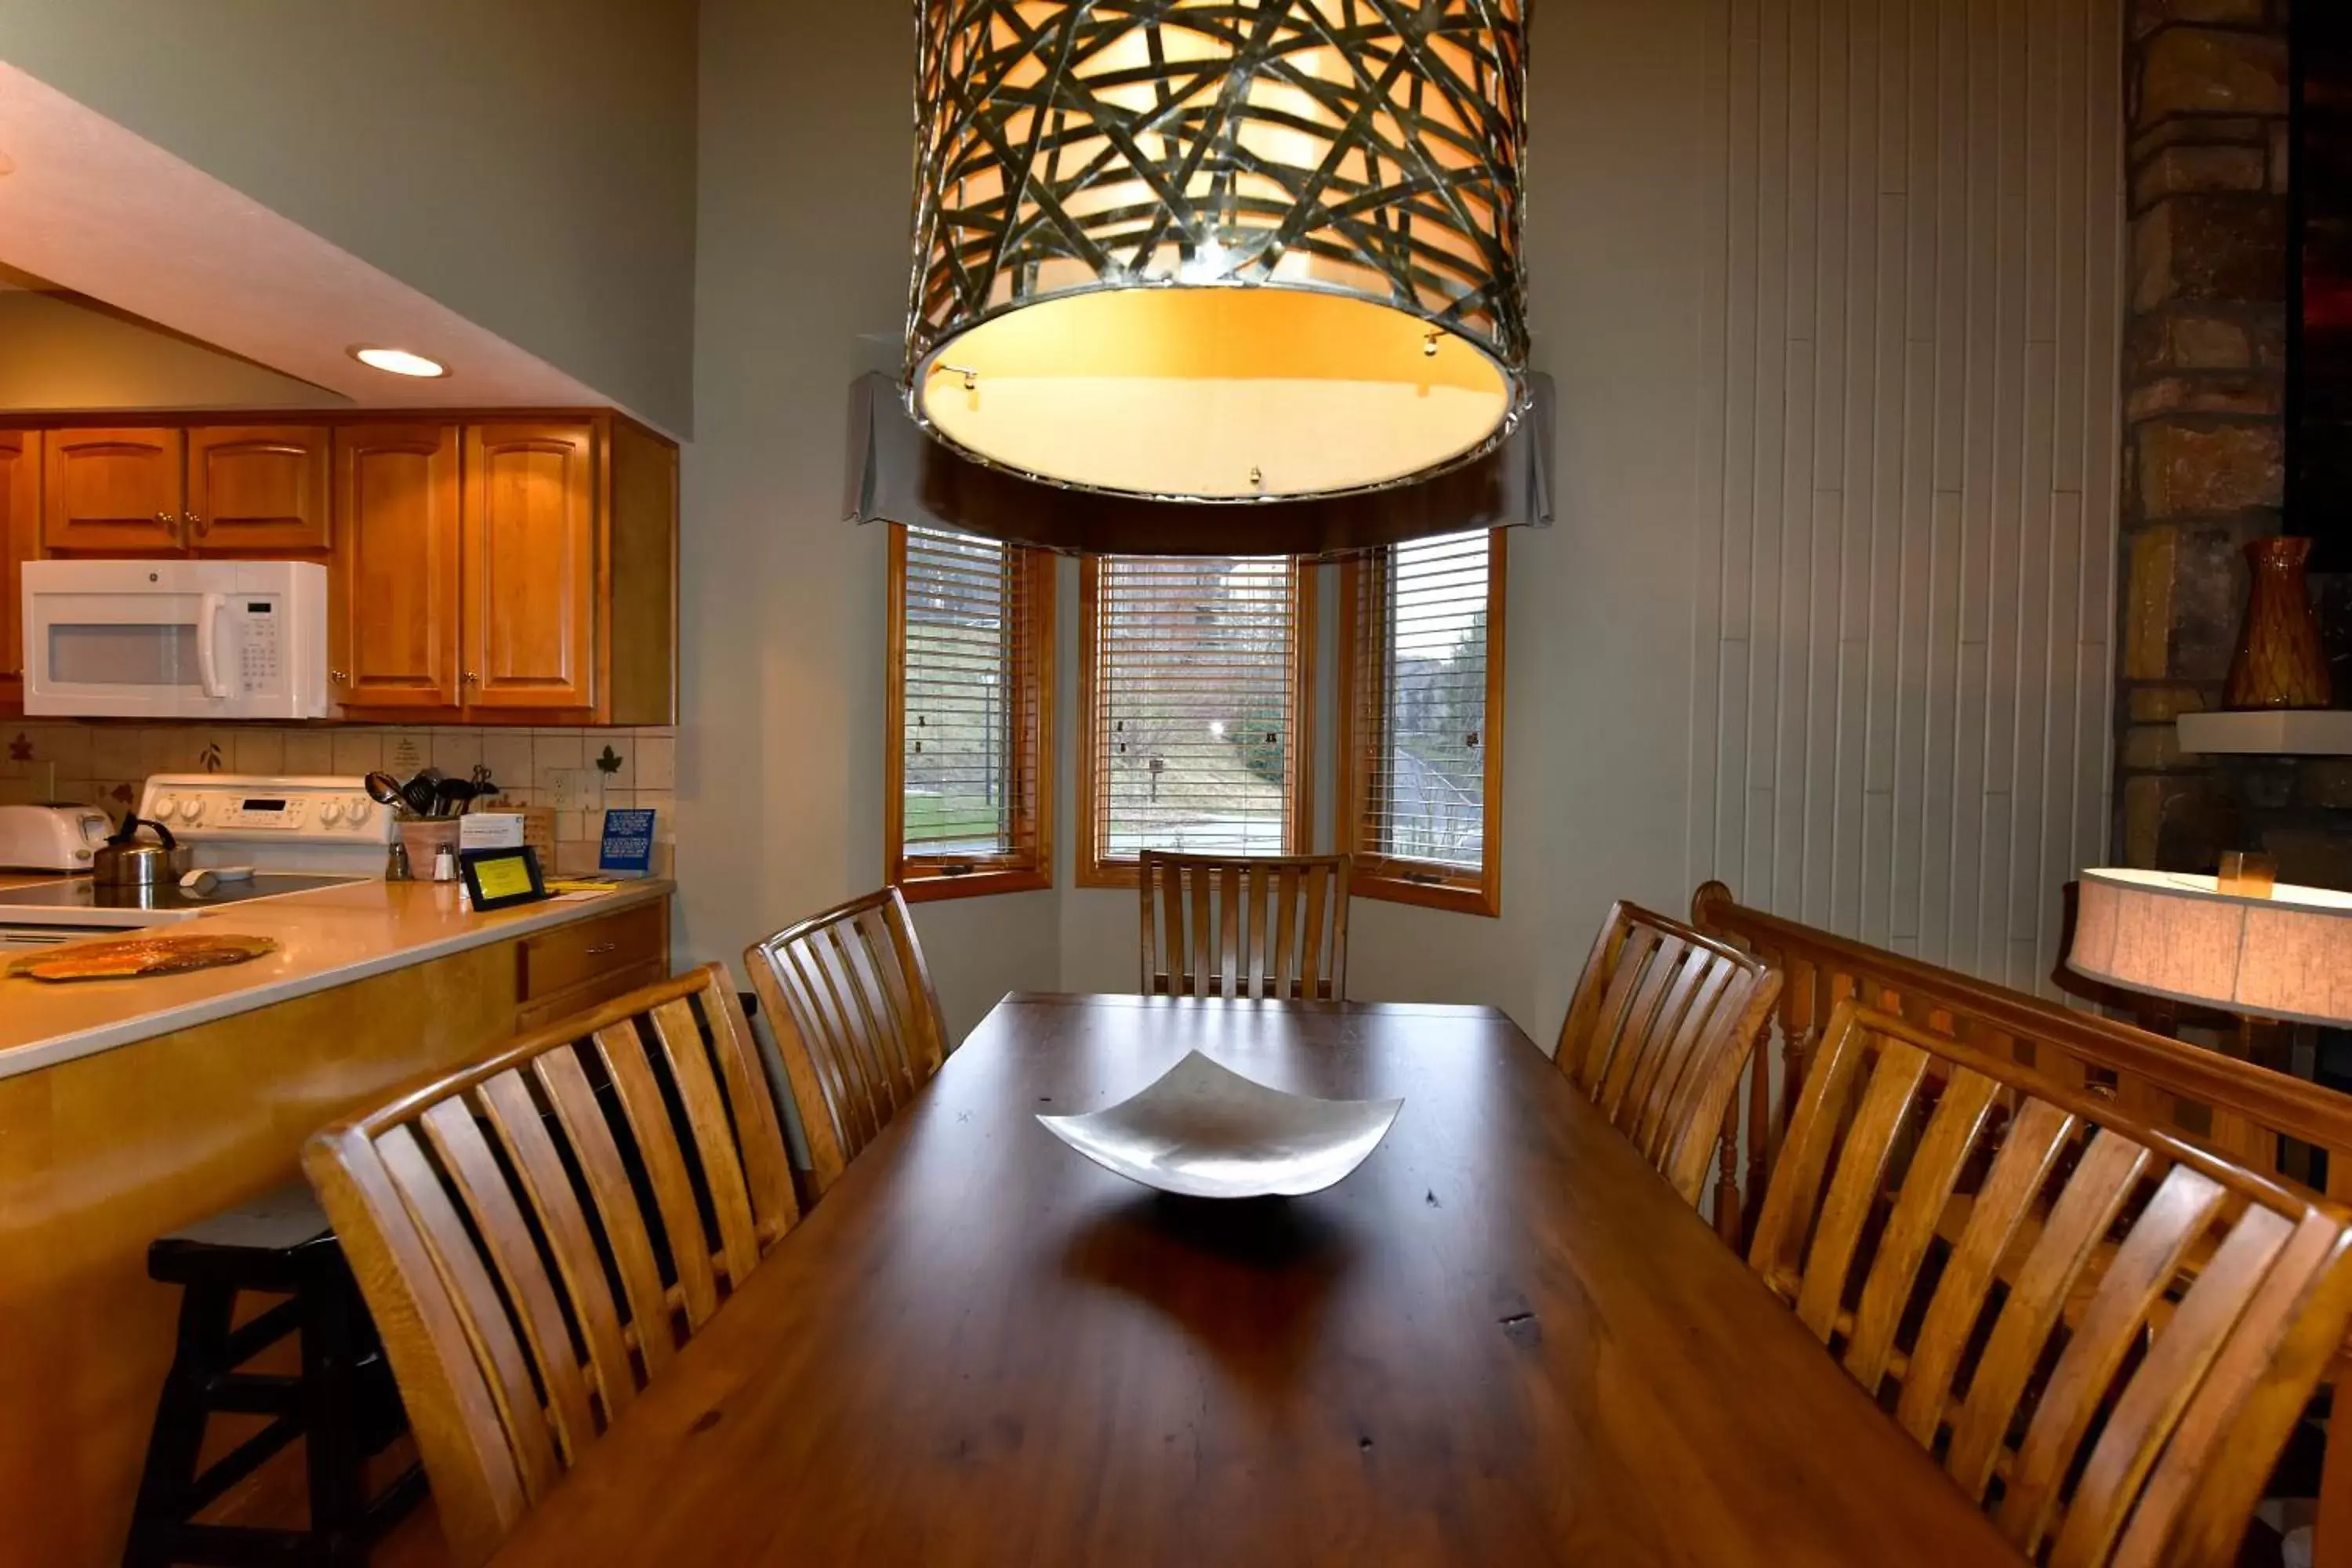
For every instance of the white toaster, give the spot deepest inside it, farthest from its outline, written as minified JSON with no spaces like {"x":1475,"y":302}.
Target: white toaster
{"x":51,"y":837}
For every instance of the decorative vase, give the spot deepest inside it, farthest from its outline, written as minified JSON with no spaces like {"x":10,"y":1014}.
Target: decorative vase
{"x":2278,"y":662}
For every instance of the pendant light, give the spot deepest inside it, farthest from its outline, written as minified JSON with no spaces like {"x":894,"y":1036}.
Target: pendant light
{"x":1218,"y":250}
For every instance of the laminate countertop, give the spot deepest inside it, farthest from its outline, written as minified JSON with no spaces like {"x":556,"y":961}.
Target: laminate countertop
{"x":330,"y":937}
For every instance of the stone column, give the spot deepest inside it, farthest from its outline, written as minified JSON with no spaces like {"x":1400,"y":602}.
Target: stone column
{"x":2204,"y":386}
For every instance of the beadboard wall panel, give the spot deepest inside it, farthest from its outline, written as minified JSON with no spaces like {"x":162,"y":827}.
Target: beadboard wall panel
{"x":1907,"y":461}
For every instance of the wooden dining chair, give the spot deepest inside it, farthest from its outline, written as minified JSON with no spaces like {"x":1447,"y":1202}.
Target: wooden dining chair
{"x":537,"y":1234}
{"x":855,"y":1019}
{"x":2103,"y":1332}
{"x":1263,"y":926}
{"x":1658,"y":1034}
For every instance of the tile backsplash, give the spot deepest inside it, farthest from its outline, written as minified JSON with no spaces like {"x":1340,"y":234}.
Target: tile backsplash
{"x":577,"y":773}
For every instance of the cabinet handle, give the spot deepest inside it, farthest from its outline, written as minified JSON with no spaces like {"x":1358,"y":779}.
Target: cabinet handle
{"x":167,"y":519}
{"x":603,"y":947}
{"x":338,"y":678}
{"x":469,"y":678}
{"x":201,"y":525}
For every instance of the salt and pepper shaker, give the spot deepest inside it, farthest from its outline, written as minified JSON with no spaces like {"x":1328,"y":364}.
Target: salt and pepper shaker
{"x":445,"y":864}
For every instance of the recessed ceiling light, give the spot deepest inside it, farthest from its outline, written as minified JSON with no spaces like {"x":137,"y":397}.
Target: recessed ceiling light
{"x":399,"y":361}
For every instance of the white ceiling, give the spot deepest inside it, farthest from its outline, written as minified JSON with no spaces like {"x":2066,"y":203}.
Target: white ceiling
{"x":105,"y":213}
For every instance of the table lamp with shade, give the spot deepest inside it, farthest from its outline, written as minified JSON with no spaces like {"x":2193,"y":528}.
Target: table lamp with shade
{"x":2238,"y":943}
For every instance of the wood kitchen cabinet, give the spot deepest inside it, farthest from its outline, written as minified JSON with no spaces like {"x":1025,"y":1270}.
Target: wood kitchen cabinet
{"x":392,"y":618}
{"x":115,"y":491}
{"x":485,"y":567}
{"x":550,"y":588}
{"x":257,"y":489}
{"x":530,"y":557}
{"x":20,"y":537}
{"x":204,"y":490}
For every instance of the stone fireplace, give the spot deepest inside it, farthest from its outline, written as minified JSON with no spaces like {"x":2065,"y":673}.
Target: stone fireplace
{"x":2204,"y":380}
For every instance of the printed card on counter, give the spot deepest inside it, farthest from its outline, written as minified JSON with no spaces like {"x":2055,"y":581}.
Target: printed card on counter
{"x":490,"y":830}
{"x":628,"y":849}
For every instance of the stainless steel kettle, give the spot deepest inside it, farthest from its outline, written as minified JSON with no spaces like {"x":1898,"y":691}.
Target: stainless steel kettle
{"x":126,"y":861}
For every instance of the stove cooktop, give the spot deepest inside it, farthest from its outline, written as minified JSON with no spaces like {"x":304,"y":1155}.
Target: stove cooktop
{"x":82,"y":902}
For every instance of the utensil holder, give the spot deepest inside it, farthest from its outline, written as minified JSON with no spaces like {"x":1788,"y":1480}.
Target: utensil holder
{"x":425,"y":838}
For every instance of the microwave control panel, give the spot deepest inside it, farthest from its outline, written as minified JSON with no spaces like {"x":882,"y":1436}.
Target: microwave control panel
{"x":259,"y":651}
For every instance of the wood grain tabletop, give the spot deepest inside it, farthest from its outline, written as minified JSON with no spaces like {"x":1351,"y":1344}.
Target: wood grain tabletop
{"x":1503,"y":1340}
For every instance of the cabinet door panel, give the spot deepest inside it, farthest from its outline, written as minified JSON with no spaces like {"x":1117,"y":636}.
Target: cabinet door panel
{"x":393,"y":618}
{"x":20,"y":531}
{"x":115,"y":490}
{"x":530,"y":560}
{"x":258,"y":487}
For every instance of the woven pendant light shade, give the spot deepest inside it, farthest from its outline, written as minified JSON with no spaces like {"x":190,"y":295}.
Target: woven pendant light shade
{"x":1219,"y":250}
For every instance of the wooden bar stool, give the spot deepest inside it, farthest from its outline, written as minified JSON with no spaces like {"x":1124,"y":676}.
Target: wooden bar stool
{"x":341,"y":1405}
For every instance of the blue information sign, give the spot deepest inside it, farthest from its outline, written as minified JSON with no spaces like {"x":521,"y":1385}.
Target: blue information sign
{"x":629,"y":843}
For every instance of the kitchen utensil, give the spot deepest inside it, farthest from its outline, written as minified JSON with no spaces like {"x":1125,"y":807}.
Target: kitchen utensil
{"x":135,"y":956}
{"x":1205,"y":1131}
{"x":417,"y":793}
{"x":452,"y":796}
{"x":211,"y":879}
{"x":126,"y":861}
{"x":51,"y":837}
{"x":384,"y":790}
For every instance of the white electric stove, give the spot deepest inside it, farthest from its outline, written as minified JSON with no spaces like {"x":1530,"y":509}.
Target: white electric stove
{"x":296,"y":835}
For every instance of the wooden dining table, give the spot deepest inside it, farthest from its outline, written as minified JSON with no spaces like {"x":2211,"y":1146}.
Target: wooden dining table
{"x":1502,"y":1340}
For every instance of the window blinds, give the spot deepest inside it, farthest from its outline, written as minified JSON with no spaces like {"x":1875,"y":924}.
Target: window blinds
{"x":971,"y":717}
{"x":1195,"y":670}
{"x":1421,"y":702}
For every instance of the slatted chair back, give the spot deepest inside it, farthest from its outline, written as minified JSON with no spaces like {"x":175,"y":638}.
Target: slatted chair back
{"x":1658,"y":1034}
{"x":855,"y":1019}
{"x":1261,"y":926}
{"x":536,"y":1235}
{"x":2105,"y":1332}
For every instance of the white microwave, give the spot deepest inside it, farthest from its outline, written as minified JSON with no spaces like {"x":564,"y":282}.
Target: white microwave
{"x":176,"y":639}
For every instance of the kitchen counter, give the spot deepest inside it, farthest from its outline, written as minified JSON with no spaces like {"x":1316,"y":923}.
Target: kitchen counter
{"x":132,"y":1107}
{"x":331,"y":937}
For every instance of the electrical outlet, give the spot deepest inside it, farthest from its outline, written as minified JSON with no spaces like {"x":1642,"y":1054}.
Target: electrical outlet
{"x":569,"y":788}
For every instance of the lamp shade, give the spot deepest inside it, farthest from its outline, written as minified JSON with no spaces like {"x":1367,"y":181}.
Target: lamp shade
{"x":2285,"y":956}
{"x":898,"y":474}
{"x":1210,"y":251}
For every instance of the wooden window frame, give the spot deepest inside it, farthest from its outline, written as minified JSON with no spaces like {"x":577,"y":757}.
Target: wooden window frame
{"x":1396,"y":880}
{"x":925,"y":878}
{"x":1098,"y":870}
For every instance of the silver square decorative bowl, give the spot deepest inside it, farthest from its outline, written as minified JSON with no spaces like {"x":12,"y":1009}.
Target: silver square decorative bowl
{"x":1205,"y":1131}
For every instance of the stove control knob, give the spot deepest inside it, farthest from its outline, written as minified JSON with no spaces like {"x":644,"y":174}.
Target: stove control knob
{"x":331,"y":813}
{"x":191,"y":808}
{"x":165,"y":805}
{"x":357,"y":810}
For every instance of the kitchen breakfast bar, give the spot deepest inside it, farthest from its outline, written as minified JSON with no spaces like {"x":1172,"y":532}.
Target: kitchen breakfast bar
{"x":130,"y":1108}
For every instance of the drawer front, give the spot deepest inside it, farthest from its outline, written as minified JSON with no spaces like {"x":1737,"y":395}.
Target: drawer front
{"x":580,"y":998}
{"x":574,"y":955}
